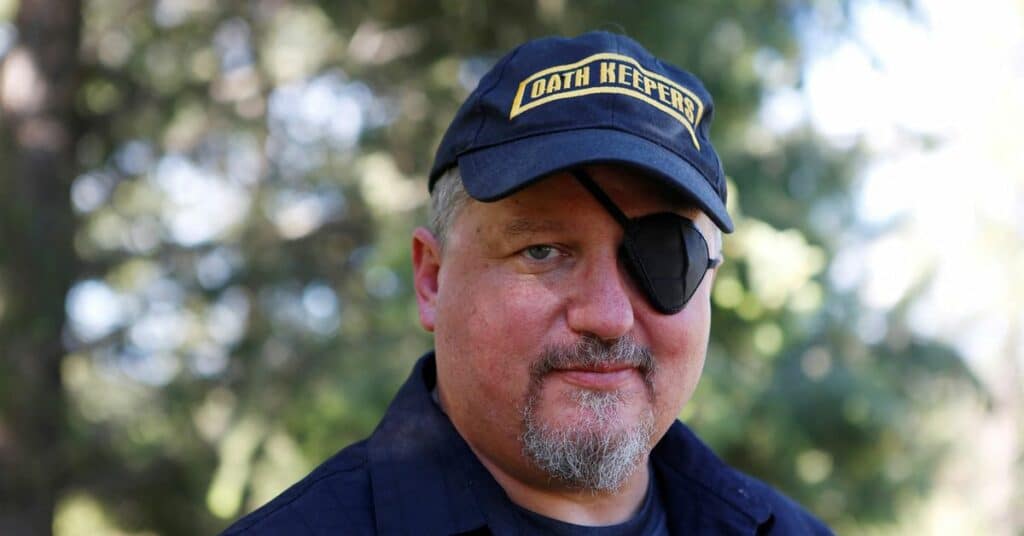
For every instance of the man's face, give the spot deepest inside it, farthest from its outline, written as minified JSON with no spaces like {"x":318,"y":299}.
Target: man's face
{"x":541,"y":335}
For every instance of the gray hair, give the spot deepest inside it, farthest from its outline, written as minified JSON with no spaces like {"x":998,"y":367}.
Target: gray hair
{"x":447,"y":199}
{"x":717,"y":245}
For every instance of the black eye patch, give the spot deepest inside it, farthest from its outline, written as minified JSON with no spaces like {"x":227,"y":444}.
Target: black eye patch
{"x":664,"y":253}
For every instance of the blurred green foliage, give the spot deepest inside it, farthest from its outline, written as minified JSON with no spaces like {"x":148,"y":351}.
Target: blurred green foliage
{"x":247,"y":177}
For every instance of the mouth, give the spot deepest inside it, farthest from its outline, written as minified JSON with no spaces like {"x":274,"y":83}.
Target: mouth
{"x":598,"y":377}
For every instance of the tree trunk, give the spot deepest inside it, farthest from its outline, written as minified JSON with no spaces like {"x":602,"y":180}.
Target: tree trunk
{"x":38,"y":134}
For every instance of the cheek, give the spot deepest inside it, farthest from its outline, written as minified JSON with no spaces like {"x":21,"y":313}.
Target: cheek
{"x":492,"y":310}
{"x":680,"y":345}
{"x":491,"y":327}
{"x":684,"y":335}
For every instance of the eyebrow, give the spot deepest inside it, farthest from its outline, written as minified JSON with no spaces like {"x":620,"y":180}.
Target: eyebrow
{"x":526,"y":226}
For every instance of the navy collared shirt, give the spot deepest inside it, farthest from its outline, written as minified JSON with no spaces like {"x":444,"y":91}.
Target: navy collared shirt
{"x":416,"y":475}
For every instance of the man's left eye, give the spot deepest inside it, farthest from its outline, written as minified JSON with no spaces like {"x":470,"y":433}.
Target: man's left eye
{"x":540,"y":253}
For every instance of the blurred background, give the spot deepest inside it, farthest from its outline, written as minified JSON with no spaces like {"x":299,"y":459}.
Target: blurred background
{"x":205,"y":211}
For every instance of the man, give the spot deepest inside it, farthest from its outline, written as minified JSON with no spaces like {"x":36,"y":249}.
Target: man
{"x":577,"y":203}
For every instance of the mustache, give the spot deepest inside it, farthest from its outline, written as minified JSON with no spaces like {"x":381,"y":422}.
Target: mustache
{"x":589,"y":351}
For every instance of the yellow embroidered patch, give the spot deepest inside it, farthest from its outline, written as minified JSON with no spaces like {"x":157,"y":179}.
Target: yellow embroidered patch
{"x":608,"y":72}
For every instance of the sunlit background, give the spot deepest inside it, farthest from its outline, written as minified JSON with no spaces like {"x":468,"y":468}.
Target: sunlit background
{"x":937,"y":97}
{"x":246,"y":179}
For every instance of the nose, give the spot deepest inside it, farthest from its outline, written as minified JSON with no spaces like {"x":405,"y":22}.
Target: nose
{"x":602,"y":305}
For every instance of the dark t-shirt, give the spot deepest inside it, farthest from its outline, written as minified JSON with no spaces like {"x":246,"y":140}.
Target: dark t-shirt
{"x":649,"y":520}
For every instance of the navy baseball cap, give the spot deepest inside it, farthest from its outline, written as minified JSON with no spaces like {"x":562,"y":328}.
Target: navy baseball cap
{"x":555,"y":103}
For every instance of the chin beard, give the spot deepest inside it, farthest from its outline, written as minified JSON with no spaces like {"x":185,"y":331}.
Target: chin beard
{"x":596,"y":452}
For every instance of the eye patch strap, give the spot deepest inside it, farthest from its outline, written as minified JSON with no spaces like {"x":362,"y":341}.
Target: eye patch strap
{"x":602,"y":197}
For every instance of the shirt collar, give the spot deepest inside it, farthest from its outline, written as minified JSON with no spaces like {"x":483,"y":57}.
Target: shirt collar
{"x":426,"y":480}
{"x":702,"y":491}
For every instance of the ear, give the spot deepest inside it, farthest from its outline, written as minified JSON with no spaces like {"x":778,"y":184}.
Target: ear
{"x":426,"y":264}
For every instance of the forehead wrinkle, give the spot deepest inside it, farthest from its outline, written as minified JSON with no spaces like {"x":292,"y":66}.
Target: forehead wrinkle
{"x":527,"y":226}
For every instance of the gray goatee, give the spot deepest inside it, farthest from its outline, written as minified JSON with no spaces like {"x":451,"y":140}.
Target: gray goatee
{"x":587,"y":454}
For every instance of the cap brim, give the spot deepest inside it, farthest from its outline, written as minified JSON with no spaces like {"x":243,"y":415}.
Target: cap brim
{"x":494,"y":172}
